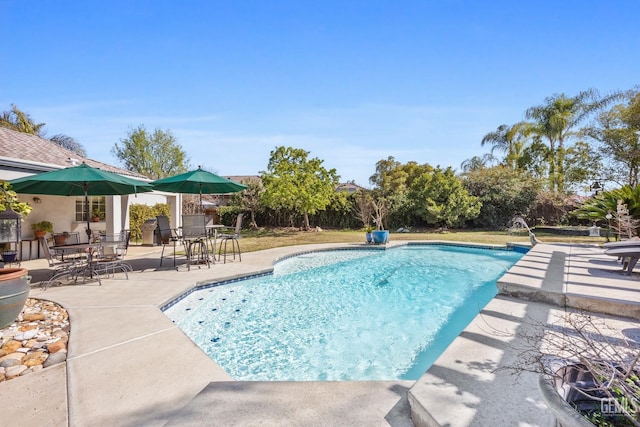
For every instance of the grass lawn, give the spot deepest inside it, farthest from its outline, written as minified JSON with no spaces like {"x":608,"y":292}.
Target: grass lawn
{"x":255,"y":240}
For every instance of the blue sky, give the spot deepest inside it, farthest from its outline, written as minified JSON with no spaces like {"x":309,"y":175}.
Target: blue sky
{"x":352,"y":82}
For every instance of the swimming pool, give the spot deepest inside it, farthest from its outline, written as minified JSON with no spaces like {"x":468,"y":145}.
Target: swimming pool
{"x":344,"y":315}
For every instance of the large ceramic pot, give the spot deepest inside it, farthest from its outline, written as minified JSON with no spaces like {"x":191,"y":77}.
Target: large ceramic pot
{"x":380,"y":236}
{"x":9,"y":256}
{"x":567,"y":403}
{"x":14,"y":291}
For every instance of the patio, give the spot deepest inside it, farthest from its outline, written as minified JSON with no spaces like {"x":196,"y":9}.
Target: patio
{"x":129,"y":365}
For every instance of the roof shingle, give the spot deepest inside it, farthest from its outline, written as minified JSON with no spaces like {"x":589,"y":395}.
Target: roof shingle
{"x":32,"y":148}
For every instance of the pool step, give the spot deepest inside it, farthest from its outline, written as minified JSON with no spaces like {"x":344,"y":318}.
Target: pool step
{"x":572,"y":276}
{"x":362,"y":403}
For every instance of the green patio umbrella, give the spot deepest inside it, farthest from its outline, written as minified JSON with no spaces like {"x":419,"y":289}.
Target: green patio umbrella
{"x":197,"y":181}
{"x":82,"y":180}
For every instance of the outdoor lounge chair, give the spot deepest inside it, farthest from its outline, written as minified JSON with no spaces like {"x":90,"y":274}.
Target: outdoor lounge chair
{"x":628,"y":254}
{"x":233,"y":237}
{"x":167,"y":236}
{"x":634,"y":241}
{"x":627,"y":246}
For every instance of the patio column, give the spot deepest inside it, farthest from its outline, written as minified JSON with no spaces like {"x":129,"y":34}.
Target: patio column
{"x":175,"y":208}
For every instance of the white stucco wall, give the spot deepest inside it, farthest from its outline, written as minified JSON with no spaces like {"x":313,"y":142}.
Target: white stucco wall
{"x":60,"y":210}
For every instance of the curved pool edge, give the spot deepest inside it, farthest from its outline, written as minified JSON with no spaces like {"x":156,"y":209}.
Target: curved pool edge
{"x":417,"y":405}
{"x":294,"y":251}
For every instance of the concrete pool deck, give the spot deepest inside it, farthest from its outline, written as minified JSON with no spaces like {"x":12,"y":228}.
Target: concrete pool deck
{"x":128,"y":365}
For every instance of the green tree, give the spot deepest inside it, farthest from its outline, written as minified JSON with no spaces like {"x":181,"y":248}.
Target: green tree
{"x":440,"y":199}
{"x":250,"y":199}
{"x":19,"y":121}
{"x":155,"y":155}
{"x":583,"y":164}
{"x":293,"y":181}
{"x":555,"y":122}
{"x":22,"y":208}
{"x":509,"y":140}
{"x":504,"y":192}
{"x":618,"y":130}
{"x":393,"y":178}
{"x":392,"y":182}
{"x":477,"y":163}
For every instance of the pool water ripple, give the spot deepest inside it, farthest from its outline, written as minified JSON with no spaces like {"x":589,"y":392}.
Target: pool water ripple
{"x":343,"y":315}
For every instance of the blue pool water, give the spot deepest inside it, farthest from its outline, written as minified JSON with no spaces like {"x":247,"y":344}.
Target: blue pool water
{"x":344,"y":315}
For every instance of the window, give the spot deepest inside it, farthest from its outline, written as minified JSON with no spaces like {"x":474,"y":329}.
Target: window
{"x":96,"y":203}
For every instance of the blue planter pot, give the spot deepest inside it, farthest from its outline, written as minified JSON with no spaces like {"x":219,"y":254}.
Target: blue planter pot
{"x":380,"y":236}
{"x":368,"y":237}
{"x":14,"y":290}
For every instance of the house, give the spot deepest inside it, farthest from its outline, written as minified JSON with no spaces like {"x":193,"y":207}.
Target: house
{"x":349,"y":187}
{"x":22,"y":154}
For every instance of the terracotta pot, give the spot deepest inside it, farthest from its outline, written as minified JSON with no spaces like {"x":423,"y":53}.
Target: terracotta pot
{"x":39,"y":234}
{"x":59,"y":240}
{"x":95,"y":218}
{"x":14,"y":291}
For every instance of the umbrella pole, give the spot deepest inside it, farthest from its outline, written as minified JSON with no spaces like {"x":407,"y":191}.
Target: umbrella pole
{"x":86,"y":203}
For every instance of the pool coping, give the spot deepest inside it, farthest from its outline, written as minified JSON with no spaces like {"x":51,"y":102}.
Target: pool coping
{"x":132,"y":328}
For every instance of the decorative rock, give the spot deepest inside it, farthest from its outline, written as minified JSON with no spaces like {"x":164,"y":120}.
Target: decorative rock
{"x":27,"y":335}
{"x":56,"y":347}
{"x":7,"y":363}
{"x":15,"y":371}
{"x":27,"y":327}
{"x":55,"y":358}
{"x":12,"y":356}
{"x":38,"y":339}
{"x":35,"y":368}
{"x":11,"y":346}
{"x":33,"y":359}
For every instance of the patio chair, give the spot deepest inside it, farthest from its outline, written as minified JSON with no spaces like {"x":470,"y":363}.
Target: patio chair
{"x":233,"y":237}
{"x":111,"y":252}
{"x":195,"y":239}
{"x":71,"y":267}
{"x":167,"y":235}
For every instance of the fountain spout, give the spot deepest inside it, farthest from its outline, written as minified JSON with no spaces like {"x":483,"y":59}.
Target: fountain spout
{"x":519,"y":222}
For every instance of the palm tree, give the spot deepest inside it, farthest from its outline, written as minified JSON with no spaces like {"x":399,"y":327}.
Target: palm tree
{"x":555,"y":121}
{"x":20,"y":121}
{"x":477,"y":163}
{"x":509,"y":140}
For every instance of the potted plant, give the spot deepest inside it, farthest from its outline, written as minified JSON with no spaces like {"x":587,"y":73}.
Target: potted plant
{"x":60,"y":238}
{"x":96,"y":215}
{"x":380,"y":209}
{"x":364,"y":212}
{"x":40,"y":229}
{"x":368,"y":229}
